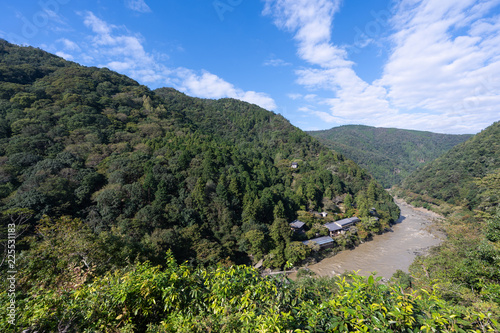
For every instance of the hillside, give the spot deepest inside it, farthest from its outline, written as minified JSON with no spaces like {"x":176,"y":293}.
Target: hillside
{"x":463,"y":185}
{"x":389,"y":154}
{"x":158,"y":170}
{"x":467,"y":175}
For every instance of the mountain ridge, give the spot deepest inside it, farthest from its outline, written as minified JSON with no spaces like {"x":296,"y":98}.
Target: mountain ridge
{"x":390,"y":154}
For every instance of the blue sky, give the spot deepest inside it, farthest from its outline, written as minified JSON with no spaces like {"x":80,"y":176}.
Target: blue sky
{"x":427,"y":65}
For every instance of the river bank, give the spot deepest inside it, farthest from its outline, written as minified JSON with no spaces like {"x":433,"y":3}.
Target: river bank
{"x":410,"y":236}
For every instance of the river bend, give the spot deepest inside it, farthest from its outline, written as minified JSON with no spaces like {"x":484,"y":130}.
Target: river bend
{"x":387,"y":253}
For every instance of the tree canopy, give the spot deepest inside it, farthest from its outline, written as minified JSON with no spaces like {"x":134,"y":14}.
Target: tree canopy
{"x":158,"y":169}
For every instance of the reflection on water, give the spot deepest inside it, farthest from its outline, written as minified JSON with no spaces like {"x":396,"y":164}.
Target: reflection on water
{"x":388,"y":252}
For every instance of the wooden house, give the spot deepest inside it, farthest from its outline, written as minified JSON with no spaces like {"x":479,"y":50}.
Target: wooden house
{"x":333,"y":228}
{"x":341,"y":226}
{"x":346,"y":223}
{"x":297,"y":226}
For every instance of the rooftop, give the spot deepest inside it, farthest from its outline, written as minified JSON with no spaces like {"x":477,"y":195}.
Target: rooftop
{"x":347,"y":221}
{"x":320,"y":240}
{"x":332,"y":226}
{"x":297,"y":224}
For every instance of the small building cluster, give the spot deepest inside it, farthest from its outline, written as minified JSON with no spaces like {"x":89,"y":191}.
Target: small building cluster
{"x":335,"y":228}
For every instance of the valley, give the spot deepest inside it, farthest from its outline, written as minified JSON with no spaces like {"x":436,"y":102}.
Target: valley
{"x":139,"y":210}
{"x":389,"y":154}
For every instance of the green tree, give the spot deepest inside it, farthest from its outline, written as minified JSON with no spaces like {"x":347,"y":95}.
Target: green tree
{"x":258,"y":243}
{"x":15,"y":222}
{"x":348,"y":201}
{"x":64,"y":252}
{"x":296,"y":252}
{"x":280,"y":231}
{"x":492,"y":230}
{"x":279,"y":211}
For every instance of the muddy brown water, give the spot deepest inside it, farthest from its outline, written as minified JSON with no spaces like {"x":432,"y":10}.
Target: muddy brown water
{"x":387,"y":253}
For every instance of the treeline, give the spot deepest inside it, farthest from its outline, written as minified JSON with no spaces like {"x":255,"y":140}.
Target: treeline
{"x":389,"y":154}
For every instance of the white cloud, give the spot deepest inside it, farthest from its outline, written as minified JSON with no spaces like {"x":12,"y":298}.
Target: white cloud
{"x":65,"y":56}
{"x":294,"y":96}
{"x":53,"y":16}
{"x":443,"y":72}
{"x":117,"y":49}
{"x":97,"y":25}
{"x":69,"y":45}
{"x":274,"y":62}
{"x":114,"y":47}
{"x":453,"y":75}
{"x":208,"y":85}
{"x":120,"y":66}
{"x":310,"y":21}
{"x":138,"y":6}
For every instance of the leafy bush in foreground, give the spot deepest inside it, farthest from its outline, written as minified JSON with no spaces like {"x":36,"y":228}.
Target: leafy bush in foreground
{"x":178,"y":298}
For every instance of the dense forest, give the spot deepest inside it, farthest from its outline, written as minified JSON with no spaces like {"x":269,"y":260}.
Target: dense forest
{"x":133,"y":210}
{"x":389,"y":154}
{"x":465,"y":176}
{"x":157,"y":170}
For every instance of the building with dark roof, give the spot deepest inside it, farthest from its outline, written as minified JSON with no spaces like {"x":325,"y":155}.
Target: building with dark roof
{"x":333,"y":228}
{"x":324,"y":242}
{"x":297,"y":226}
{"x":341,"y":226}
{"x":348,"y":222}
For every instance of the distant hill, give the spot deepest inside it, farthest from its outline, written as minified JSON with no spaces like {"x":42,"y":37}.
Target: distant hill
{"x":468,"y":175}
{"x":389,"y":154}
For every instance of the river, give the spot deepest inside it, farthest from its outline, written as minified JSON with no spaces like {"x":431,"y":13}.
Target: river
{"x":386,"y":253}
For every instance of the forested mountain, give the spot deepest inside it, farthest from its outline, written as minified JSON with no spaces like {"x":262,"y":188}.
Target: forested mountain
{"x":158,"y":170}
{"x":128,"y":209}
{"x":467,"y":176}
{"x":389,"y":154}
